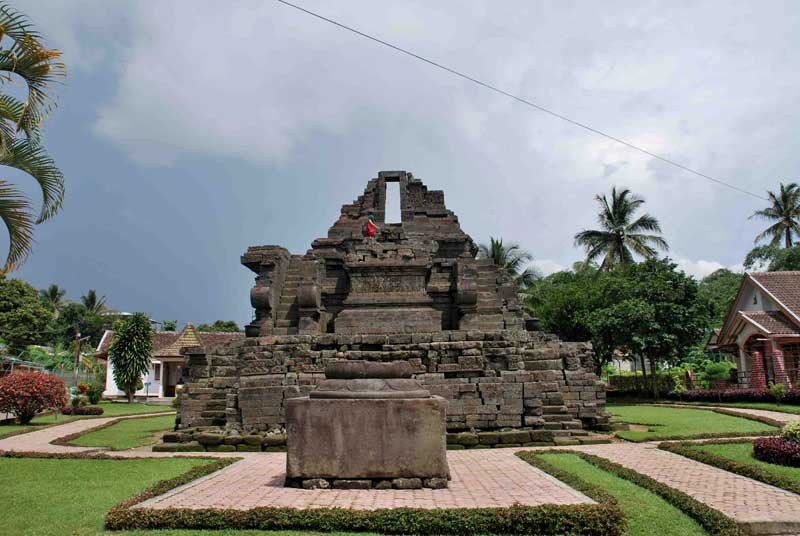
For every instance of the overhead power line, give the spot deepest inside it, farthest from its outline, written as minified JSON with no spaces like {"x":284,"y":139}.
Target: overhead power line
{"x":523,"y":101}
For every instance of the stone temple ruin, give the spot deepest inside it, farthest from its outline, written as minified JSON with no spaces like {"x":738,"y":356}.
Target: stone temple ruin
{"x":415,"y":292}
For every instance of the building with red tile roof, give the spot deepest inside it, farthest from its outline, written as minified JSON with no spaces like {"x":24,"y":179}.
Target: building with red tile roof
{"x":762,"y":329}
{"x":165,"y":372}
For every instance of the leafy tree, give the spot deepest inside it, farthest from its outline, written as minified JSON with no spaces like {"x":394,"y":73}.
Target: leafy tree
{"x":130,"y":352}
{"x":773,"y":258}
{"x":56,"y":357}
{"x":784,"y":210}
{"x":169,"y":325}
{"x":73,"y":318}
{"x":674,"y":316}
{"x":220,"y":325}
{"x":620,"y":235}
{"x":718,"y":289}
{"x":23,"y":316}
{"x":53,"y":298}
{"x":92,"y":303}
{"x":24,"y":57}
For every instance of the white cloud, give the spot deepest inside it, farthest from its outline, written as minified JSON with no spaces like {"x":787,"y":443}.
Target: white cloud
{"x":701,"y":268}
{"x":547,"y":266}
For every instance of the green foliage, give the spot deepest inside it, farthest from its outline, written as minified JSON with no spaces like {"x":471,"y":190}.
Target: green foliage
{"x":55,"y":357}
{"x":778,"y":390}
{"x":649,"y":309}
{"x":784,"y":210}
{"x":718,"y":289}
{"x":53,"y":298}
{"x":126,"y":434}
{"x":170,"y":325}
{"x":221,"y":326}
{"x":75,"y":317}
{"x":773,"y":258}
{"x":791,"y":431}
{"x":95,"y":392}
{"x":683,"y":423}
{"x":23,"y":55}
{"x":511,"y":259}
{"x":130,"y":352}
{"x":621,"y":236}
{"x":93,"y":303}
{"x":715,"y":371}
{"x":23,"y":316}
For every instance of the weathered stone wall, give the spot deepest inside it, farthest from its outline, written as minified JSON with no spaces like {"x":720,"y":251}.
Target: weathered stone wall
{"x":490,"y":379}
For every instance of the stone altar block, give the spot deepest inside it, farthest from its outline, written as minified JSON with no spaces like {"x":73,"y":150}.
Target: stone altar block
{"x":367,"y":425}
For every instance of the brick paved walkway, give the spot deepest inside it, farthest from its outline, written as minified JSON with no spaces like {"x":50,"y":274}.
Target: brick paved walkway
{"x":480,"y":478}
{"x":491,"y":477}
{"x":39,"y":440}
{"x":757,"y":507}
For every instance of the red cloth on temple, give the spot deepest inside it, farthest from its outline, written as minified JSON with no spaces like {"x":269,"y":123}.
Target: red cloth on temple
{"x":371,"y":228}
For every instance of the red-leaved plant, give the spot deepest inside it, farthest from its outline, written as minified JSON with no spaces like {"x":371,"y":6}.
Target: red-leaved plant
{"x":25,"y":394}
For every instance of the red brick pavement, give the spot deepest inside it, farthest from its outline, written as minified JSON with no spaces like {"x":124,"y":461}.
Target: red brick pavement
{"x":480,"y":478}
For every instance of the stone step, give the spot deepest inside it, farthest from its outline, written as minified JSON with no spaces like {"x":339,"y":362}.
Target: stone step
{"x":286,"y":323}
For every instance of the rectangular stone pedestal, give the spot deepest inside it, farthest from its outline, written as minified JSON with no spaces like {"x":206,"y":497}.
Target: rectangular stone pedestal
{"x":362,"y":439}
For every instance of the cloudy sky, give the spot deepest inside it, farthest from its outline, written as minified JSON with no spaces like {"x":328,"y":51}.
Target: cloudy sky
{"x":188,"y":131}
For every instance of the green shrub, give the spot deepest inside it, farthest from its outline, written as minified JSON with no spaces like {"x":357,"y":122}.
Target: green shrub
{"x":778,"y":390}
{"x":791,"y":431}
{"x":95,"y":393}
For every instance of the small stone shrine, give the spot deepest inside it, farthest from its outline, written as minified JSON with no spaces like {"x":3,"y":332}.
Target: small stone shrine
{"x":367,"y":425}
{"x":414,"y":292}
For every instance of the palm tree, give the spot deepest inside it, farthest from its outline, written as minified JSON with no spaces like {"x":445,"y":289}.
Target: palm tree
{"x":620,"y":236}
{"x":92,"y":303}
{"x":53,"y":297}
{"x":511,"y":259}
{"x":25,"y":58}
{"x":785,"y":212}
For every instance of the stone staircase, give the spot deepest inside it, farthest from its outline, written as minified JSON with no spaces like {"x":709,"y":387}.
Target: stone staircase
{"x":489,"y":305}
{"x":287,"y":315}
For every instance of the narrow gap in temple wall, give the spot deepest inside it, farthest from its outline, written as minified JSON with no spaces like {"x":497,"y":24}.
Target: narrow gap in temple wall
{"x":393,"y":213}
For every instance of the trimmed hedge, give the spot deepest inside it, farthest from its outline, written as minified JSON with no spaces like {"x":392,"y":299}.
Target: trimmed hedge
{"x":777,"y":450}
{"x":628,"y":385}
{"x":734,"y":395}
{"x":750,"y":471}
{"x":711,"y":520}
{"x":82,"y":410}
{"x":604,"y":519}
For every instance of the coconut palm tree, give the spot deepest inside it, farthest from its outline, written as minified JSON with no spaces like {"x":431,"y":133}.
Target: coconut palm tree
{"x":620,"y":236}
{"x":92,"y":303}
{"x":24,"y":58}
{"x":511,"y":259}
{"x":53,"y":297}
{"x":784,"y":210}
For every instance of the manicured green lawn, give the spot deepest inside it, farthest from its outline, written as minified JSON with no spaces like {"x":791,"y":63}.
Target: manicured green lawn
{"x":127,"y":434}
{"x":783,"y":408}
{"x":44,"y":497}
{"x":647,"y":513}
{"x":110,"y":409}
{"x":743,"y":453}
{"x":682,"y":423}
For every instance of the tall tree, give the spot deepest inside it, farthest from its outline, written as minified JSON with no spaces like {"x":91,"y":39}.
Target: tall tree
{"x":773,"y":258}
{"x":23,"y":56}
{"x":92,"y":303}
{"x":620,"y":235}
{"x":511,"y":258}
{"x":130,"y":352}
{"x":23,"y":316}
{"x":784,"y":210}
{"x":718,"y":289}
{"x":220,"y":326}
{"x":53,"y":298}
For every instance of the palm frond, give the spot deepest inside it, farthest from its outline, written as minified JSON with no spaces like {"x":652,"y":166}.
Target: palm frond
{"x":15,"y":211}
{"x":33,"y":160}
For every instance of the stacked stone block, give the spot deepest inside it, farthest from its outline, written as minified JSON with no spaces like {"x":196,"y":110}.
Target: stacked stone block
{"x":491,"y":380}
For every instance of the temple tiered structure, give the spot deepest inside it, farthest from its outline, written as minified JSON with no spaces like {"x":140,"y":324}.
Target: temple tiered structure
{"x":414,"y":292}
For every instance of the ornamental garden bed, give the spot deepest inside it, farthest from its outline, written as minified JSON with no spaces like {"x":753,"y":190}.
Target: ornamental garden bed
{"x":665,"y":423}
